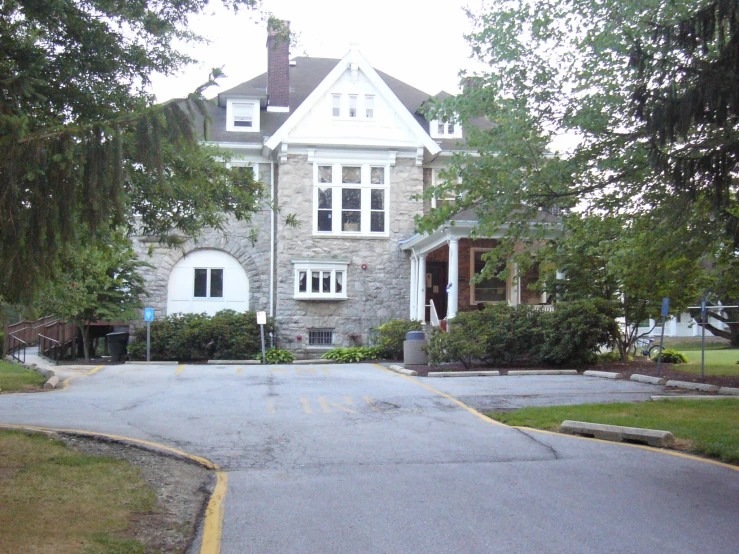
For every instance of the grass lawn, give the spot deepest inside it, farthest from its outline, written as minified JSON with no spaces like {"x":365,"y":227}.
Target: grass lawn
{"x":53,"y":499}
{"x":15,"y":377}
{"x":707,"y":427}
{"x":718,"y":362}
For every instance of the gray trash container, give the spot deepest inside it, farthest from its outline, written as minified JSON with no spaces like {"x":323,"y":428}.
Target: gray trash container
{"x":117,"y":343}
{"x":413,"y":348}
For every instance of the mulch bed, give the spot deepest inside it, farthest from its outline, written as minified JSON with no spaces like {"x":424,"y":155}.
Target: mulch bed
{"x":642,"y":367}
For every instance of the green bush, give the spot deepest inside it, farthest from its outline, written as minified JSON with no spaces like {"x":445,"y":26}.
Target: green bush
{"x":609,"y":357}
{"x":391,"y":336}
{"x":570,"y":335}
{"x":228,"y":335}
{"x":352,"y":355}
{"x":277,"y":356}
{"x":670,"y":356}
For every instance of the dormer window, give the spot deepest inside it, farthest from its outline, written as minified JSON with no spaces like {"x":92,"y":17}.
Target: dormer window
{"x":242,"y":116}
{"x":444,"y":129}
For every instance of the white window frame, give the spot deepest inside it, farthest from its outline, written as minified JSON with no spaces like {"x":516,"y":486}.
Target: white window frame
{"x":444,"y":133}
{"x":333,"y":267}
{"x":473,"y":300}
{"x":435,"y":180}
{"x":365,"y":187}
{"x":353,"y":106}
{"x":208,"y":297}
{"x":336,"y":106}
{"x":369,"y":106}
{"x":230,"y":114}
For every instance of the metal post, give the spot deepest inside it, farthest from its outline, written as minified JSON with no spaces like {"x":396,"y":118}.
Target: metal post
{"x":148,"y":341}
{"x":661,"y":341}
{"x":703,"y":338}
{"x":261,"y":330}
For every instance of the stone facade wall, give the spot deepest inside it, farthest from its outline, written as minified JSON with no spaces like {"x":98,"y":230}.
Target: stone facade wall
{"x":376,"y":294}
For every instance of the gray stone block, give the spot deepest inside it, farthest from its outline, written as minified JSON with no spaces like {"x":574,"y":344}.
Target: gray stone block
{"x":648,"y":379}
{"x":692,"y":386}
{"x":617,"y":433}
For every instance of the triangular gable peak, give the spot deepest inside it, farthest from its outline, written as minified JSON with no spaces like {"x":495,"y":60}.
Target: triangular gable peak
{"x":353,"y":84}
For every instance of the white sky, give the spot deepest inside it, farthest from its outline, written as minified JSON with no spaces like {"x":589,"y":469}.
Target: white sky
{"x":417,"y":41}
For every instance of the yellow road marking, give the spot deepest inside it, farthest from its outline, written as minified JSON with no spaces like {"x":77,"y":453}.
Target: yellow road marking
{"x":305,"y":370}
{"x":327,"y":410}
{"x":93,"y":371}
{"x":271,"y":406}
{"x":275,"y":370}
{"x":306,"y":405}
{"x":325,"y":370}
{"x":489,"y":420}
{"x":370,"y":403}
{"x":239,"y":370}
{"x":179,"y":369}
{"x":447,"y":396}
{"x":348,"y":400}
{"x":213,"y":526}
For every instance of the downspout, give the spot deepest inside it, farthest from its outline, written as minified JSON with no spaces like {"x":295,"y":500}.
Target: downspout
{"x":272,"y":239}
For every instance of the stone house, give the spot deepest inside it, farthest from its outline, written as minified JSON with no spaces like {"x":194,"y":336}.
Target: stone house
{"x":344,"y":149}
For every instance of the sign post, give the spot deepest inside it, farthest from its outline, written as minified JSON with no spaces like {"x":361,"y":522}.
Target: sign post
{"x":262,"y":321}
{"x":665,"y":311}
{"x":703,"y":337}
{"x":148,"y":318}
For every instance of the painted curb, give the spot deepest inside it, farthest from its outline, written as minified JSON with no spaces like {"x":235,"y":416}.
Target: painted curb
{"x":692,"y":386}
{"x":691,"y":397}
{"x":617,"y":433}
{"x":402,"y":370}
{"x":463,"y":374}
{"x":728,"y":391}
{"x":52,"y":383}
{"x":234,"y":362}
{"x":648,"y":379}
{"x":542,"y":372}
{"x":603,"y":374}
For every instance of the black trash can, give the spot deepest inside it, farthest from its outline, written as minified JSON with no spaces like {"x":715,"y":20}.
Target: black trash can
{"x":117,"y":343}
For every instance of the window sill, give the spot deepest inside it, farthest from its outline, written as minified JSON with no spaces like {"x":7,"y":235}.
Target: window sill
{"x":326,"y":235}
{"x":326,"y":298}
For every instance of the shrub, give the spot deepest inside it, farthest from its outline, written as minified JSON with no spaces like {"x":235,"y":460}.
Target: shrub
{"x":182,"y":337}
{"x":670,"y":356}
{"x":391,"y":336}
{"x":352,"y":355}
{"x":609,"y":357}
{"x":277,"y":356}
{"x":572,"y":335}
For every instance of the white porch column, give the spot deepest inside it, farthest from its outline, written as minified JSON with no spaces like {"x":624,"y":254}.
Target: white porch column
{"x":421,"y":289}
{"x":414,"y":287}
{"x":453,"y":290}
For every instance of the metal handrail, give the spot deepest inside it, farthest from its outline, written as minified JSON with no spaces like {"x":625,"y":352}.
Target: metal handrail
{"x":53,"y":351}
{"x":21,"y":345}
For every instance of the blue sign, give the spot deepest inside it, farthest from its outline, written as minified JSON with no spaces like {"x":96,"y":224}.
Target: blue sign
{"x":665,"y":306}
{"x":148,"y":314}
{"x":703,"y":307}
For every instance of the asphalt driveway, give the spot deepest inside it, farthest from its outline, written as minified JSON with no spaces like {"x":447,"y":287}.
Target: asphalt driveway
{"x":353,"y":458}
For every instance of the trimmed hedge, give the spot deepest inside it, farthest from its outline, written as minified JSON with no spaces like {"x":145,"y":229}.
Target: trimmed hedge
{"x":390,"y":337}
{"x":352,"y":355}
{"x":228,"y":335}
{"x":571,"y":335}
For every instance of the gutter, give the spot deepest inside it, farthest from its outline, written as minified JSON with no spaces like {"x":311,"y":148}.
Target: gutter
{"x":272,"y":239}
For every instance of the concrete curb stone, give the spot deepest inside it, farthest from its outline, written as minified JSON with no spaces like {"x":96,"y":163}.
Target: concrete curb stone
{"x":402,"y":370}
{"x":692,"y":386}
{"x":234,"y":362}
{"x":153,"y":363}
{"x":728,"y":391}
{"x":603,"y":374}
{"x":52,"y":383}
{"x":320,"y":361}
{"x":648,"y":379}
{"x":463,"y":373}
{"x":690,"y":397}
{"x":542,"y":372}
{"x":617,"y":433}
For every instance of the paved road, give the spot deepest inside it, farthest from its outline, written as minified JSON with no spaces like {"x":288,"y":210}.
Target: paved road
{"x":358,"y":459}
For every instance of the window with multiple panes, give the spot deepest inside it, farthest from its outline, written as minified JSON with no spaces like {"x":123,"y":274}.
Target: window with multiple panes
{"x":320,"y":280}
{"x":444,"y":129}
{"x":492,"y":289}
{"x":353,"y":99}
{"x":351,"y":199}
{"x":320,"y":337}
{"x":208,"y":283}
{"x":243,"y":115}
{"x":369,"y":106}
{"x":350,"y":106}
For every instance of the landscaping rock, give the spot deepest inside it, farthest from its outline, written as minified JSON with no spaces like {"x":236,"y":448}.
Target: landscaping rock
{"x":603,"y":374}
{"x":692,"y":386}
{"x":648,"y":379}
{"x":652,"y":437}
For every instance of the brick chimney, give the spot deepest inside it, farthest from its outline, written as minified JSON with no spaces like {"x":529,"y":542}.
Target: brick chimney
{"x":278,"y":65}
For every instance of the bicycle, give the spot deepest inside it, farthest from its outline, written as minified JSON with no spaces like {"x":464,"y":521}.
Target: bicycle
{"x":648,"y":348}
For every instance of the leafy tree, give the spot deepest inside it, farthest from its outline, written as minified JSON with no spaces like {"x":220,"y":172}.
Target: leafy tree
{"x":81,"y":142}
{"x":97,"y":280}
{"x":627,"y":264}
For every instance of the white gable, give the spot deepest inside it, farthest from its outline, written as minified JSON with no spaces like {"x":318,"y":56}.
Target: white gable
{"x":314,"y":122}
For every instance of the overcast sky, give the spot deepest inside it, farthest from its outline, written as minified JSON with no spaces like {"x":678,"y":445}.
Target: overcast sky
{"x":420,"y":42}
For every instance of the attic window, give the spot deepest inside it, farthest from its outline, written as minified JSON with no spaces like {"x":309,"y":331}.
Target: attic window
{"x":444,"y":129}
{"x":243,"y":115}
{"x":352,"y":105}
{"x":336,"y":110}
{"x":369,"y":106}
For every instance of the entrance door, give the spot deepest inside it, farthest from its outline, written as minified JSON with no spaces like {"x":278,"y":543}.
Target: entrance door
{"x":436,"y":282}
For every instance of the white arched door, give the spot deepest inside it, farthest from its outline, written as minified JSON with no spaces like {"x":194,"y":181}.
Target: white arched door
{"x":207,"y":281}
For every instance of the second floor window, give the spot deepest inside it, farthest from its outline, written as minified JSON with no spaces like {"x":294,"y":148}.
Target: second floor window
{"x":243,"y":115}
